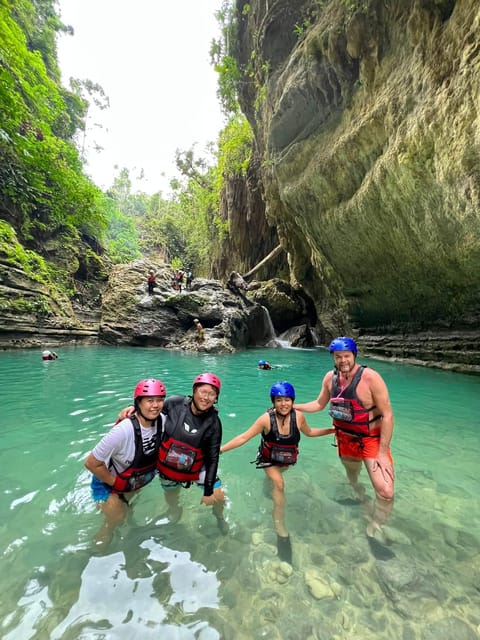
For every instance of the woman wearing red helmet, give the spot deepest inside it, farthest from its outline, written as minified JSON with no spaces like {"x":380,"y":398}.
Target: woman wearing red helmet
{"x":280,"y":429}
{"x":125,"y":459}
{"x":190,"y":447}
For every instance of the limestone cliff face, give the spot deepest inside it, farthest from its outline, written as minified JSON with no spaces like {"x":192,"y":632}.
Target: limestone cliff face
{"x":250,"y":236}
{"x":35,"y":310}
{"x":367,"y":123}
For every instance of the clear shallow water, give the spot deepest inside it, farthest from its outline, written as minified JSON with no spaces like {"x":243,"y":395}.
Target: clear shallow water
{"x":186,"y":581}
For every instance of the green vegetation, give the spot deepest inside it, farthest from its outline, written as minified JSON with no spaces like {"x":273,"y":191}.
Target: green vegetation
{"x":40,"y":173}
{"x":222,"y":54}
{"x":14,"y":254}
{"x":47,"y":200}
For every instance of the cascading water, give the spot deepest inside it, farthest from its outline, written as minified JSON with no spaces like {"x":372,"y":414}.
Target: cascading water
{"x":272,"y":338}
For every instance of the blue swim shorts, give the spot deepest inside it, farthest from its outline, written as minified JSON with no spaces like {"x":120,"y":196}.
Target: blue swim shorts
{"x":100,"y":490}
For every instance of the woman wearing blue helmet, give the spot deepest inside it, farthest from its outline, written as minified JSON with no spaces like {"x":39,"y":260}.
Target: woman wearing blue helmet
{"x":280,"y":429}
{"x":363,"y":420}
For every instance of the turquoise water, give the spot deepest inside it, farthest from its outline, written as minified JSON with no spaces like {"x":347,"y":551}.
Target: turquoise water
{"x":186,"y":581}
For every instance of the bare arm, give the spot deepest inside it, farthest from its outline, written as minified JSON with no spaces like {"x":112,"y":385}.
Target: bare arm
{"x":308,"y":431}
{"x":381,"y":399}
{"x":322,"y":400}
{"x":126,"y":413}
{"x":261,"y":423}
{"x":99,"y":470}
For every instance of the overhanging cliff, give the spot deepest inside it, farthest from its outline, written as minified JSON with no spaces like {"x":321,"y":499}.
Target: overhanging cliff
{"x":366,"y":120}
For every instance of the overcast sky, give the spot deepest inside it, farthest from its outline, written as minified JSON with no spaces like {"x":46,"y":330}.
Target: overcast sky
{"x":151,"y":58}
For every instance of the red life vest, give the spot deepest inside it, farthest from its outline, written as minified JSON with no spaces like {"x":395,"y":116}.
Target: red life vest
{"x":143,"y":467}
{"x":276,"y":449}
{"x":178,"y":459}
{"x":347,"y":411}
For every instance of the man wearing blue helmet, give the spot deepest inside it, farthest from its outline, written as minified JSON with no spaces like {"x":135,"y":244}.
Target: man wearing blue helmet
{"x":363,"y":420}
{"x":280,"y":429}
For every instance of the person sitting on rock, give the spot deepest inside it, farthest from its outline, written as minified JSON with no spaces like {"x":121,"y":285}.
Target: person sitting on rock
{"x":280,"y":429}
{"x":151,"y":281}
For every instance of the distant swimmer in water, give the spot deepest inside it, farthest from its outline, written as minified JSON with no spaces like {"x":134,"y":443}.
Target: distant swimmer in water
{"x":49,"y":355}
{"x":263,"y":364}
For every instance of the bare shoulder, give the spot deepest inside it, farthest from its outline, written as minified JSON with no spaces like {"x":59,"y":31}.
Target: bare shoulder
{"x":327,"y":378}
{"x":263,"y":422}
{"x":370,"y":375}
{"x":374,"y":382}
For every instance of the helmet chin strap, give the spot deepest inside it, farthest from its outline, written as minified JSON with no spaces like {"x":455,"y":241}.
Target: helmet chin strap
{"x":199,"y":411}
{"x":137,"y":410}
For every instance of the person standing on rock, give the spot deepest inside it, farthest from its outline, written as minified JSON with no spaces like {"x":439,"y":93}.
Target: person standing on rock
{"x":280,"y":428}
{"x":200,"y":330}
{"x":363,"y":420}
{"x":188,"y":279}
{"x":151,"y":281}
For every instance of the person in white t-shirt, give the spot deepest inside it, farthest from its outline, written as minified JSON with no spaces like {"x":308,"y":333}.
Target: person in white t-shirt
{"x":125,"y":459}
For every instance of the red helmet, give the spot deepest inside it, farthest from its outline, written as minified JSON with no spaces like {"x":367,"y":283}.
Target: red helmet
{"x":149,"y":387}
{"x":208,"y":378}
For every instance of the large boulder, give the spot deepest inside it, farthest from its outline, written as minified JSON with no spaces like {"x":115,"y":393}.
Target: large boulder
{"x":165,"y":319}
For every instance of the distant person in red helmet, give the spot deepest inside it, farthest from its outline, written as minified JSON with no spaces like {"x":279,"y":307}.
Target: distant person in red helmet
{"x":49,"y":355}
{"x":363,"y":420}
{"x":125,"y":460}
{"x":190,"y":447}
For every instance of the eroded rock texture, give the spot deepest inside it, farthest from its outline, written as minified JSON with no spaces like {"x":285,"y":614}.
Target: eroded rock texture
{"x":366,"y":119}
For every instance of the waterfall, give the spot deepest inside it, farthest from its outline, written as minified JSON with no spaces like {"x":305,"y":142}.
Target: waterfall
{"x":270,"y":336}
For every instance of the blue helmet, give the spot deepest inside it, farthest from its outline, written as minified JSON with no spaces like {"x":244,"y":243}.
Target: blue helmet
{"x":343,"y":344}
{"x":260,"y":362}
{"x":284,"y":389}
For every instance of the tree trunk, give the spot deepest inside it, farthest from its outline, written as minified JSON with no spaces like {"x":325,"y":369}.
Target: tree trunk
{"x":273,"y":254}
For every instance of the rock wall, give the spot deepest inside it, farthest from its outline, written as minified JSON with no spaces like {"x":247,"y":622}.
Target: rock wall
{"x":35,"y":311}
{"x":166,"y":318}
{"x":366,"y":118}
{"x":250,"y":236}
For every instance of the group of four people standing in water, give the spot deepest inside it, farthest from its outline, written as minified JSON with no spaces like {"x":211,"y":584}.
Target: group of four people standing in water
{"x":180,"y":438}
